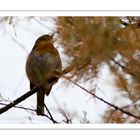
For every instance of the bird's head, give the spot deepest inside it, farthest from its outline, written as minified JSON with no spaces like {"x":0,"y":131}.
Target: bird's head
{"x":43,"y":41}
{"x":46,"y":38}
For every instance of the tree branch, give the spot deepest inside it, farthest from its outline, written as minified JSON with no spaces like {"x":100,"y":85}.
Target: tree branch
{"x":66,"y":116}
{"x":102,"y":100}
{"x":36,"y":88}
{"x":51,"y":117}
{"x":18,"y":100}
{"x":123,"y":68}
{"x":20,"y":107}
{"x":34,"y":110}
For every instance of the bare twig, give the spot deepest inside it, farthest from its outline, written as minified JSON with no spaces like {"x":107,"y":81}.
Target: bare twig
{"x":29,"y":109}
{"x":11,"y":22}
{"x":42,"y":24}
{"x":85,"y":121}
{"x":102,"y":100}
{"x":123,"y":67}
{"x":66,"y":116}
{"x":54,"y":121}
{"x":19,"y":43}
{"x":18,"y":100}
{"x":20,"y":107}
{"x":51,"y":117}
{"x":124,"y":23}
{"x":35,"y":89}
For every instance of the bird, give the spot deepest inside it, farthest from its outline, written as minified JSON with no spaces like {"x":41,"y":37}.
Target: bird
{"x":42,"y":67}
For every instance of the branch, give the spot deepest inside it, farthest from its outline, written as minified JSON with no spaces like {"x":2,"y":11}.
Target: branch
{"x":123,"y":67}
{"x":20,"y":107}
{"x":39,"y":21}
{"x":102,"y":100}
{"x":18,"y":100}
{"x":51,"y":117}
{"x":29,"y":109}
{"x":28,"y":94}
{"x":36,"y":88}
{"x":66,"y":116}
{"x":18,"y":43}
{"x":124,"y":23}
{"x":22,"y":98}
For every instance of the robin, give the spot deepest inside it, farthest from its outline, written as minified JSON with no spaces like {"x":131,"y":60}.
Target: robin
{"x":42,"y":67}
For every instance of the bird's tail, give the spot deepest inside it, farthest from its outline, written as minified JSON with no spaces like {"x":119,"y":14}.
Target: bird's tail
{"x":40,"y":102}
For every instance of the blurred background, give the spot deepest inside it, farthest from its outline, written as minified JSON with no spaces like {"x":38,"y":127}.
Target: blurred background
{"x":103,"y":53}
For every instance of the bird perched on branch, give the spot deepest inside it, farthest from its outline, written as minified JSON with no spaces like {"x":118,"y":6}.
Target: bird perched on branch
{"x":42,"y":67}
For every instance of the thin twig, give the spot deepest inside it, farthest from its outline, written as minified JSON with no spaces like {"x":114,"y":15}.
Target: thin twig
{"x":50,"y":114}
{"x":19,"y":43}
{"x":39,"y":21}
{"x":35,"y":89}
{"x":123,"y":67}
{"x":67,"y":117}
{"x":29,"y":109}
{"x":20,"y":107}
{"x":20,"y":99}
{"x":114,"y":106}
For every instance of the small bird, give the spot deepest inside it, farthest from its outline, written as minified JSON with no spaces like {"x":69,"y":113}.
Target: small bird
{"x":42,"y":67}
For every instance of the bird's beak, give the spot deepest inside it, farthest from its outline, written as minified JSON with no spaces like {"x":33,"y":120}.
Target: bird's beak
{"x":53,"y":34}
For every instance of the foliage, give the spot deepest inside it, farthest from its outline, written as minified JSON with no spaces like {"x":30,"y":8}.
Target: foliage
{"x":90,"y":42}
